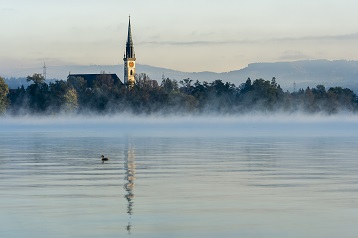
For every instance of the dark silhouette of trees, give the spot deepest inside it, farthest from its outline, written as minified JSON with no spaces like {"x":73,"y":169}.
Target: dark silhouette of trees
{"x":169,"y":85}
{"x":261,"y":95}
{"x":38,"y":93}
{"x":341,"y":99}
{"x":105,"y":95}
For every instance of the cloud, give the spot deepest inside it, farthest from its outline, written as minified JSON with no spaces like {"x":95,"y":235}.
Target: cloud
{"x":199,"y":42}
{"x":345,"y":37}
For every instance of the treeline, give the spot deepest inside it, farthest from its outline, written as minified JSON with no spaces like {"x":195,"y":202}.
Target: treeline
{"x":147,"y":96}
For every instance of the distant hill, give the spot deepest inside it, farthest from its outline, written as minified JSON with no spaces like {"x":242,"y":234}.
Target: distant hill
{"x":304,"y":73}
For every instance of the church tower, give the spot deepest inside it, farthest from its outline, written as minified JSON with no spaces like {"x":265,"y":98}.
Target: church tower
{"x":129,"y":59}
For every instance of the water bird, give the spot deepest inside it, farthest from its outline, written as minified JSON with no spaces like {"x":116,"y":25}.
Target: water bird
{"x":104,"y":159}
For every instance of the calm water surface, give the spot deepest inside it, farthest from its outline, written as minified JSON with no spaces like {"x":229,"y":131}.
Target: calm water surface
{"x":182,"y":179}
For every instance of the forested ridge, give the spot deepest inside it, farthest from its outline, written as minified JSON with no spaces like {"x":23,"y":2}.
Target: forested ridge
{"x":146,"y":96}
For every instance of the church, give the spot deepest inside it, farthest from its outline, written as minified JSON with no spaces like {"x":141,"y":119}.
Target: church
{"x":129,"y":58}
{"x":129,"y":68}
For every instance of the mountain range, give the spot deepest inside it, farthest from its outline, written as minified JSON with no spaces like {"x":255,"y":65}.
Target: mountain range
{"x":290,"y":75}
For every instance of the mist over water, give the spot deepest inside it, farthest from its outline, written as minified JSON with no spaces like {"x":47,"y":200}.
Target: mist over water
{"x":245,"y":125}
{"x":223,"y":125}
{"x":215,"y":176}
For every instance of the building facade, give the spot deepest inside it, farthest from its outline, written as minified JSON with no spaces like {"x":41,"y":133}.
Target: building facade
{"x":129,"y":59}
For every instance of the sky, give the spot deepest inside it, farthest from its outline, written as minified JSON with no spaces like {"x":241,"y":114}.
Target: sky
{"x":185,"y":35}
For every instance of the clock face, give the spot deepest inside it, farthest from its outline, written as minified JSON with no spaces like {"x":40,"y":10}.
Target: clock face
{"x":131,"y":64}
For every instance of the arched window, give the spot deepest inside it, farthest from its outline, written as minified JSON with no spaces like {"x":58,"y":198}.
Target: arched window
{"x":131,"y":72}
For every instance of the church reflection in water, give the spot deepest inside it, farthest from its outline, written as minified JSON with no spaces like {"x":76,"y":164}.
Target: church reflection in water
{"x":130,"y":171}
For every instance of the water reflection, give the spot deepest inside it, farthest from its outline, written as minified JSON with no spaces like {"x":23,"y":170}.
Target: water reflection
{"x":130,"y":171}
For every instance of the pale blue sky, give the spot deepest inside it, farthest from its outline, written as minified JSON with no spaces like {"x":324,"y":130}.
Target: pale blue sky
{"x":185,"y":35}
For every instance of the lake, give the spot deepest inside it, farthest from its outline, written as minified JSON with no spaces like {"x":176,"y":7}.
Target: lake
{"x":250,"y":176}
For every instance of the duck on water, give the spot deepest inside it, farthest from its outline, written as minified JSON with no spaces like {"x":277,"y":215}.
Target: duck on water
{"x":104,"y":159}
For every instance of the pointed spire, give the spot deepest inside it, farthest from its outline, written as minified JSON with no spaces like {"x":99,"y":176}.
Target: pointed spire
{"x":129,"y":39}
{"x":129,"y":45}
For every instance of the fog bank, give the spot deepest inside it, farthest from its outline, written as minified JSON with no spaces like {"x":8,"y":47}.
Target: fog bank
{"x":246,"y":125}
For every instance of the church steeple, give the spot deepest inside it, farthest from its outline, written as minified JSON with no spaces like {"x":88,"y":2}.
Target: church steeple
{"x":129,"y":45}
{"x":129,"y":59}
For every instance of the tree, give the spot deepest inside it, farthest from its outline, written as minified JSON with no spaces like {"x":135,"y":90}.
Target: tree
{"x":200,"y":92}
{"x":17,"y":98}
{"x":169,"y":85}
{"x":309,"y":102}
{"x":245,"y":87}
{"x":84,"y":95}
{"x":143,"y":81}
{"x":186,"y":85}
{"x":263,"y":94}
{"x":38,"y":93}
{"x":4,"y":91}
{"x":339,"y":98}
{"x":71,"y":102}
{"x":78,"y":83}
{"x":36,"y":79}
{"x":57,"y":91}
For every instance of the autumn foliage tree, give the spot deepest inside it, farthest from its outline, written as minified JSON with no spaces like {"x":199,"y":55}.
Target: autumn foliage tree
{"x":4,"y":91}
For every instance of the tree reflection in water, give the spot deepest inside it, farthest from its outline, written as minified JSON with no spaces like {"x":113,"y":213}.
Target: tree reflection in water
{"x":130,"y":171}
